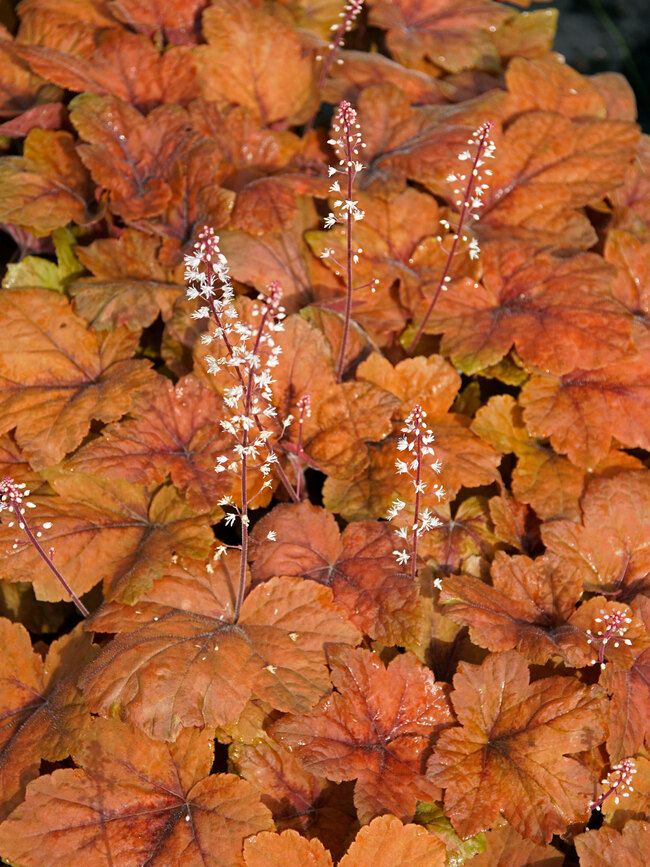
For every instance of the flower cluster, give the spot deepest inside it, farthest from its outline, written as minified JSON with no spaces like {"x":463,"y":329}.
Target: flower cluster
{"x":617,"y":783}
{"x":416,"y":444}
{"x":348,"y":16}
{"x":611,"y":627}
{"x":347,"y":143}
{"x":247,"y":350}
{"x":472,"y":185}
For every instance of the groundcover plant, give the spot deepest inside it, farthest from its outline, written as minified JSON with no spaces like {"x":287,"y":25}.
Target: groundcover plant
{"x":324,"y":433}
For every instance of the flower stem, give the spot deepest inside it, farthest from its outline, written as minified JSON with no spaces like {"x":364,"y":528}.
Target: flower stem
{"x":22,"y":522}
{"x":465,"y":211}
{"x":278,"y":467}
{"x":416,"y":510}
{"x":348,"y":265}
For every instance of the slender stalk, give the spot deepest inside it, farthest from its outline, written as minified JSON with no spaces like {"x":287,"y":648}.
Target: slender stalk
{"x":416,"y":510}
{"x":466,"y":207}
{"x":347,"y":118}
{"x":258,"y":421}
{"x":12,"y":497}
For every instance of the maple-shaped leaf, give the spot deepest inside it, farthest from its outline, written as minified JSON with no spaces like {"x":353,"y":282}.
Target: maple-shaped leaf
{"x":376,"y":727}
{"x":179,"y":660}
{"x":346,"y":417}
{"x":629,"y":689}
{"x":298,"y":799}
{"x":305,"y":367}
{"x":509,"y":754}
{"x":530,"y":35}
{"x":287,"y":849}
{"x":399,"y":247}
{"x":122,"y":64}
{"x":240,"y":65}
{"x":504,"y":846}
{"x":67,"y":25}
{"x":610,"y":548}
{"x":527,"y":608}
{"x":280,"y":255}
{"x":47,"y":187}
{"x":130,"y":284}
{"x":361,"y":69}
{"x":172,"y":430}
{"x":435,"y":35}
{"x":135,"y":801}
{"x":546,"y":169}
{"x":583,"y":412}
{"x":433,"y":383}
{"x":56,"y":376}
{"x":421,"y":143}
{"x":21,"y":92}
{"x":42,"y":710}
{"x":547,"y":84}
{"x":131,"y":156}
{"x":358,"y":565}
{"x":606,"y":846}
{"x":631,"y":200}
{"x":176,"y":21}
{"x":514,"y":522}
{"x":548,"y":482}
{"x":631,"y":256}
{"x":104,"y":529}
{"x":386,"y":842}
{"x":465,"y":542}
{"x":559,"y":313}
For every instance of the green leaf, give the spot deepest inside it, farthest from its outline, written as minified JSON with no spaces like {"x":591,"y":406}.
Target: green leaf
{"x":430,"y":816}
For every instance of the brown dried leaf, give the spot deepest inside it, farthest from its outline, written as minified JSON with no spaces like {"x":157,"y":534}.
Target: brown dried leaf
{"x":509,"y":754}
{"x":179,"y":660}
{"x":376,"y":728}
{"x":136,"y":801}
{"x":56,"y":376}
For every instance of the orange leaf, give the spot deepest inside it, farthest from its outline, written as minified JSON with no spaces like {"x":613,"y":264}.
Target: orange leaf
{"x":606,"y":847}
{"x":176,"y":20}
{"x":104,"y":529}
{"x":240,"y":63}
{"x":122,"y":64}
{"x":548,"y":84}
{"x":184,"y":624}
{"x":386,"y":842}
{"x":56,"y":376}
{"x":631,"y":256}
{"x":629,"y":688}
{"x":583,"y":412}
{"x":547,"y":168}
{"x":358,"y":565}
{"x":288,"y":849}
{"x":42,"y":710}
{"x":131,"y":156}
{"x":559,"y":313}
{"x":527,"y":608}
{"x":172,"y":430}
{"x":130,"y":285}
{"x":509,"y":753}
{"x":504,"y":846}
{"x":297,"y":798}
{"x":376,"y":728}
{"x":136,"y":801}
{"x":631,"y":200}
{"x":434,"y":35}
{"x":609,"y":548}
{"x":47,"y":187}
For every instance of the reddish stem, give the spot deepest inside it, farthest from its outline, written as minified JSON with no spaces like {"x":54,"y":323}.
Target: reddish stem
{"x":278,"y":467}
{"x":350,"y":171}
{"x":416,"y":511}
{"x":22,"y":522}
{"x":465,"y":210}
